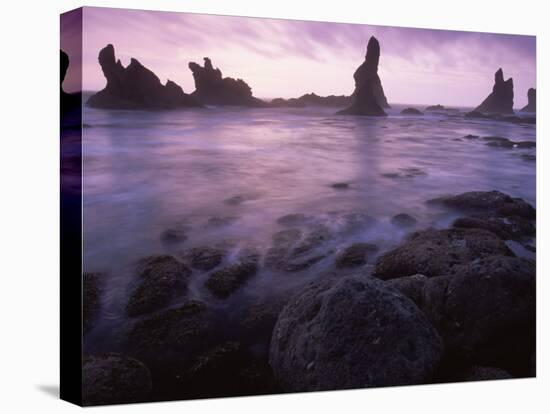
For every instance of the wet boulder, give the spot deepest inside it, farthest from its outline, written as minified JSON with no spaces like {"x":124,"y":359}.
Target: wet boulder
{"x":507,"y":228}
{"x":162,"y":278}
{"x":352,"y":332}
{"x":410,"y":286}
{"x":226,"y":370}
{"x":204,"y":257}
{"x":355,"y":255}
{"x":114,"y":379}
{"x":228,"y":279}
{"x":485,"y":311}
{"x":435,"y":252}
{"x":488,"y":201}
{"x":403,"y":220}
{"x":175,"y":334}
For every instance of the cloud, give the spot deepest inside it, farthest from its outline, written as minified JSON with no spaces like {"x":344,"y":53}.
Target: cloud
{"x":280,"y":57}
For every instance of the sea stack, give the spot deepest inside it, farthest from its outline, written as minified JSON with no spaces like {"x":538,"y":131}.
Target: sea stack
{"x":531,"y":101}
{"x":68,"y":101}
{"x":213,"y":89}
{"x":501,"y":100}
{"x":368,"y":97}
{"x":136,"y":87}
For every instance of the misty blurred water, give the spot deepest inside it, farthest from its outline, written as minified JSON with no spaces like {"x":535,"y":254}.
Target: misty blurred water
{"x":146,"y":172}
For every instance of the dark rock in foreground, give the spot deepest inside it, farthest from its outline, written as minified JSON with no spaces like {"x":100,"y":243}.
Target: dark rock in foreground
{"x":114,"y":379}
{"x":90,"y":299}
{"x":228,"y":279}
{"x":488,"y":201}
{"x":507,"y":228}
{"x":136,"y":87}
{"x":212,"y":88}
{"x":501,"y":100}
{"x":479,"y":373}
{"x":175,"y":334}
{"x":352,"y":333}
{"x":485,"y":311}
{"x":226,"y":370}
{"x":162,"y":279}
{"x":411,"y":111}
{"x":435,"y":252}
{"x":368,"y":97}
{"x":355,"y":255}
{"x":531,"y":101}
{"x":410,"y":286}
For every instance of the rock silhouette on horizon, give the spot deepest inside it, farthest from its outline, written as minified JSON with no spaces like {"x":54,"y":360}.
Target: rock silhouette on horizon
{"x":312,"y":99}
{"x":212,"y":88}
{"x":501,"y":100}
{"x":368,"y":97}
{"x":531,"y":101}
{"x":136,"y":87}
{"x":68,"y":101}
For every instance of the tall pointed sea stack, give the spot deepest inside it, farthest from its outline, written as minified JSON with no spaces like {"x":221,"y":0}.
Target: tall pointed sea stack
{"x":136,"y":87}
{"x":213,"y":89}
{"x":531,"y":101}
{"x":501,"y":100}
{"x":368,"y":97}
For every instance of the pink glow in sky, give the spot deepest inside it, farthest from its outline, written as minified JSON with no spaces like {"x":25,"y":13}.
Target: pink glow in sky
{"x":287,"y":58}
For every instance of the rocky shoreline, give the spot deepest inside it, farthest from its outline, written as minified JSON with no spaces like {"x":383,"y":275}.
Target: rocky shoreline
{"x":444,"y":305}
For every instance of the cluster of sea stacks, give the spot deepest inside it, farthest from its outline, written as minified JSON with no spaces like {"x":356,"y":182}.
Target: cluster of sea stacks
{"x":452,"y":304}
{"x":136,"y":87}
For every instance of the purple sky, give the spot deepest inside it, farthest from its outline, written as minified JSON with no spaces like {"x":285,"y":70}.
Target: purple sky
{"x":287,"y":58}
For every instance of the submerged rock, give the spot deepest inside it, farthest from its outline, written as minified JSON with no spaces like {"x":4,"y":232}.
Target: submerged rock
{"x":531,"y":101}
{"x":435,"y":252}
{"x":90,"y":299}
{"x":352,"y":333}
{"x":355,"y":255}
{"x":485,"y":311}
{"x":114,"y":379}
{"x":340,"y":186}
{"x":501,"y":100}
{"x":293,"y":219}
{"x":403,"y":220}
{"x":212,"y":88}
{"x":136,"y":87}
{"x":488,"y":202}
{"x":436,"y":108}
{"x":411,"y":111}
{"x":163,"y":278}
{"x":368,"y":97}
{"x":228,"y":279}
{"x":173,"y":236}
{"x":205,"y":257}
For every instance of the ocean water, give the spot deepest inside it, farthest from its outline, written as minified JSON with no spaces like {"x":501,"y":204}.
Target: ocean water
{"x":227,"y":174}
